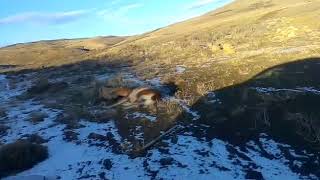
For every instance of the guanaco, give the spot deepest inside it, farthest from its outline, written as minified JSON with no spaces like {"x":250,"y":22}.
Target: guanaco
{"x":143,"y":96}
{"x":111,"y":93}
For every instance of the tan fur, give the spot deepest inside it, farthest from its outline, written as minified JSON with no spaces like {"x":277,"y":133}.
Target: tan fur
{"x":122,"y":92}
{"x":142,"y":96}
{"x":111,"y":93}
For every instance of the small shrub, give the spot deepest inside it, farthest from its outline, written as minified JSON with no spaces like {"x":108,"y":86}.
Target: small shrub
{"x":37,"y":117}
{"x":58,"y":86}
{"x":70,"y":136}
{"x":40,"y":86}
{"x":170,"y":108}
{"x":20,"y":156}
{"x":70,"y":120}
{"x":35,"y":138}
{"x":117,"y":81}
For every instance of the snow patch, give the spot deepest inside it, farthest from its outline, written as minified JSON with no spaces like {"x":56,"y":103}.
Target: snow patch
{"x":296,"y":90}
{"x":143,"y":115}
{"x":180,"y":69}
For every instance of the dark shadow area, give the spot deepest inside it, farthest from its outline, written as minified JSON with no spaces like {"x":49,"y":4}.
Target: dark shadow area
{"x":5,"y":67}
{"x":282,"y":103}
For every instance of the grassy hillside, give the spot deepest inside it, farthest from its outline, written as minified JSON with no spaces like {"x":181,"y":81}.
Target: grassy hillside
{"x":55,"y":52}
{"x":235,"y":42}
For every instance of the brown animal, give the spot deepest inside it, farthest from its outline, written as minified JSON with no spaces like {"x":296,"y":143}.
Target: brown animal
{"x":106,"y":93}
{"x":145,"y":97}
{"x":122,"y":92}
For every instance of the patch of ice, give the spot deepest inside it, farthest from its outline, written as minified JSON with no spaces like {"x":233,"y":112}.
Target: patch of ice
{"x":194,"y":159}
{"x":143,"y":115}
{"x":269,"y":167}
{"x":213,"y":98}
{"x":310,"y":89}
{"x":154,"y":82}
{"x":296,"y":90}
{"x":92,"y":127}
{"x":18,"y":119}
{"x":7,"y":92}
{"x":271,"y":147}
{"x":180,"y":69}
{"x":70,"y":161}
{"x":102,"y":77}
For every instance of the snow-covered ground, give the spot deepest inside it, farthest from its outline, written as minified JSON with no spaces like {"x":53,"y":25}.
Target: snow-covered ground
{"x":181,"y":156}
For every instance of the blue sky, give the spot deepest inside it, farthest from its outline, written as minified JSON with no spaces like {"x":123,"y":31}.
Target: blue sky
{"x":33,"y":20}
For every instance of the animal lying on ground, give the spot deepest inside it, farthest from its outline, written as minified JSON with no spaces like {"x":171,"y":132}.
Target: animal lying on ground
{"x":142,"y":96}
{"x":106,"y":93}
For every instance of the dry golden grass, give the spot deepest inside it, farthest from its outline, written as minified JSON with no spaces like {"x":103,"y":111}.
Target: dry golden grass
{"x":54,"y":53}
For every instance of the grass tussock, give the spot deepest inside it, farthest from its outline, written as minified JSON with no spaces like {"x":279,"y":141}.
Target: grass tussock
{"x":19,"y":156}
{"x":37,"y":117}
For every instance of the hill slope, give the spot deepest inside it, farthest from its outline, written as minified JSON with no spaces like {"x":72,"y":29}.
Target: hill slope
{"x":54,"y":52}
{"x":256,"y":34}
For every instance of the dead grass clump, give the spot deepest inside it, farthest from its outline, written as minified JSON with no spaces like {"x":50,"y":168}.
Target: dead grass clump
{"x":19,"y":156}
{"x":117,"y":81}
{"x":35,"y":138}
{"x":202,"y":89}
{"x":97,"y":137}
{"x":41,"y":85}
{"x":105,"y":93}
{"x":171,"y":108}
{"x":79,"y":112}
{"x":3,"y":130}
{"x":58,"y":86}
{"x":102,"y":116}
{"x":70,"y":136}
{"x":37,"y":117}
{"x":70,"y":120}
{"x":307,"y":127}
{"x":2,"y":113}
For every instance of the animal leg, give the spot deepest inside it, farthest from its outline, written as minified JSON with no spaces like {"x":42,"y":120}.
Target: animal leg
{"x":122,"y":101}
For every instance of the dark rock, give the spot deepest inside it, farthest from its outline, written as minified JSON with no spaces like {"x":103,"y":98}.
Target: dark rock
{"x":166,"y":161}
{"x":174,"y":139}
{"x":107,"y":163}
{"x":110,"y":136}
{"x":3,"y":130}
{"x":254,"y":175}
{"x":102,"y":175}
